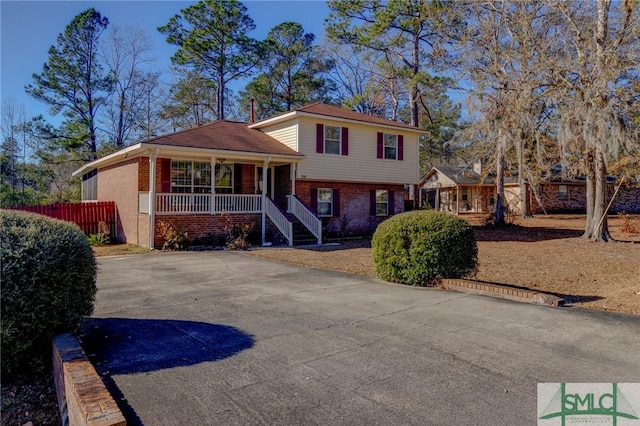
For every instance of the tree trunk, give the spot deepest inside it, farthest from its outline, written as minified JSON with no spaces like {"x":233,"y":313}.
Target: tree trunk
{"x":415,"y":93}
{"x":500,"y":182}
{"x":596,"y":227}
{"x":220,"y":94}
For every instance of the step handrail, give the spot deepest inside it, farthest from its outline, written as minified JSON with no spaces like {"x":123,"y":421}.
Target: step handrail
{"x":305,"y":216}
{"x":279,"y":219}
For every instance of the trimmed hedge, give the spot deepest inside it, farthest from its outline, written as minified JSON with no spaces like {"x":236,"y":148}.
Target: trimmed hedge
{"x":421,"y":246}
{"x":48,"y":286}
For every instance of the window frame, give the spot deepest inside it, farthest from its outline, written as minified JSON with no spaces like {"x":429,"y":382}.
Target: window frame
{"x":191,"y":168}
{"x":320,"y":202}
{"x":337,"y":141}
{"x":385,"y":145}
{"x":563,"y":195}
{"x":381,"y":203}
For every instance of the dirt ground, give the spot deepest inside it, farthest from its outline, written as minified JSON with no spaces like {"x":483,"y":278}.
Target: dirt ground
{"x":542,"y":253}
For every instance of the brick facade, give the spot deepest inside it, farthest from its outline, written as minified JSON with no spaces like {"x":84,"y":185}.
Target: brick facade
{"x":204,"y":225}
{"x":122,"y":183}
{"x":627,"y":200}
{"x":118,"y":183}
{"x":355,"y":216}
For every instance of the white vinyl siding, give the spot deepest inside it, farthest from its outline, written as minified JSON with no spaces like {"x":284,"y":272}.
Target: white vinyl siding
{"x":286,"y":133}
{"x":362,"y":164}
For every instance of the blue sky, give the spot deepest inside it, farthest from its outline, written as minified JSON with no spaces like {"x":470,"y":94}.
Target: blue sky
{"x":29,"y":28}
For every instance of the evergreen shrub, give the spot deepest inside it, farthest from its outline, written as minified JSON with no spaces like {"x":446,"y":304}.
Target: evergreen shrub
{"x":422,"y":246}
{"x":48,"y":285}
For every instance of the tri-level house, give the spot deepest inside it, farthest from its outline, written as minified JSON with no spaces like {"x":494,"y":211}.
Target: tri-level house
{"x":320,"y":168}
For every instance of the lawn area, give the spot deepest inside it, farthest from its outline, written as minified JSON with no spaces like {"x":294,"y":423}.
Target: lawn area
{"x":542,"y":253}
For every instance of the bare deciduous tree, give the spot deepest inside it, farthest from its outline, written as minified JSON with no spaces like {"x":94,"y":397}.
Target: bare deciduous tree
{"x":126,"y":52}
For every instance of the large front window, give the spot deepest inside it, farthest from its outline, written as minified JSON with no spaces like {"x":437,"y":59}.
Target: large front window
{"x":325,"y":202}
{"x":195,"y":177}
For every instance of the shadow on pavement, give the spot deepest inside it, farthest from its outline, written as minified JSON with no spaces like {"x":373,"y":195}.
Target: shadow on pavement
{"x":128,"y":346}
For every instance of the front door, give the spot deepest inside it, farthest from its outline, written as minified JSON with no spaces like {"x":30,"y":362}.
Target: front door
{"x":259,"y":173}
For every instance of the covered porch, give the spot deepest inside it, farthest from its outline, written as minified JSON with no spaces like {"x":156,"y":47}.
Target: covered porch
{"x":256,"y":188}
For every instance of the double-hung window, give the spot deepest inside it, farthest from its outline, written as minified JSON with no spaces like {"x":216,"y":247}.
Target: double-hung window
{"x":382,"y":202}
{"x":390,"y":146}
{"x":563,"y":192}
{"x":332,"y":140}
{"x":325,"y":202}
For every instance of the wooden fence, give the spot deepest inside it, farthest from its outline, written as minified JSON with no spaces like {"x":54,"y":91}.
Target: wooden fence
{"x":86,"y":215}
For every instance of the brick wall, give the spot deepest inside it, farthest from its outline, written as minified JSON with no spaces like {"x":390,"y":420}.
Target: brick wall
{"x":200,"y":225}
{"x":118,"y":183}
{"x":355,"y":216}
{"x":82,"y":397}
{"x":248,"y":181}
{"x":627,"y":200}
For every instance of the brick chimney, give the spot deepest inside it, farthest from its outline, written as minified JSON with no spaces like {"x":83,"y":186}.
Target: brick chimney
{"x":252,"y":114}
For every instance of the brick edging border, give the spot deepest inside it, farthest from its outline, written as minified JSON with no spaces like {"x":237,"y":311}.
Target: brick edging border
{"x":501,"y":291}
{"x":83,"y":398}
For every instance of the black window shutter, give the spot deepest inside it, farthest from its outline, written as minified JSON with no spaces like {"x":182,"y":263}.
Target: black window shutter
{"x":380,"y":145}
{"x":237,"y":178}
{"x":345,"y":141}
{"x":392,"y":203}
{"x":336,"y":203}
{"x":400,"y":147}
{"x":314,"y":200}
{"x":372,"y":202}
{"x":319,"y":138}
{"x":165,"y":175}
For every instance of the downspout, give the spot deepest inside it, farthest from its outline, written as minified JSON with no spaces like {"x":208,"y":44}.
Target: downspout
{"x":265,"y":166}
{"x":152,"y":197}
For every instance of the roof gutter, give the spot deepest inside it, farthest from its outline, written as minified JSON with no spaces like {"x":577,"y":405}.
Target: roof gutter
{"x":285,"y":117}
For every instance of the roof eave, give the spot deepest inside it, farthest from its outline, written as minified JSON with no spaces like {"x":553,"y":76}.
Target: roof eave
{"x":292,"y":114}
{"x":109,"y":159}
{"x":147,"y":148}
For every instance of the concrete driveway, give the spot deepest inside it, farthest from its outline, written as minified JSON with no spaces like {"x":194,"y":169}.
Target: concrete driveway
{"x":224,"y":338}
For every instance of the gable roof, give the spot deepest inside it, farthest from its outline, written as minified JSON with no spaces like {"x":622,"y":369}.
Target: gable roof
{"x":319,"y":109}
{"x":463,"y":176}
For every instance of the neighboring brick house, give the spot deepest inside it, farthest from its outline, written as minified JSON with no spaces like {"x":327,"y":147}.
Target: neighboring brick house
{"x":464,"y":190}
{"x":329,"y":170}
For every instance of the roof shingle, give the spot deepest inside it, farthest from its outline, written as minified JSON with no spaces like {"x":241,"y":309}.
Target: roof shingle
{"x":224,"y":135}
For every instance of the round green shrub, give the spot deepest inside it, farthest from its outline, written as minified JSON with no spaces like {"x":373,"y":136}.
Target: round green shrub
{"x":48,"y":281}
{"x":418,"y":247}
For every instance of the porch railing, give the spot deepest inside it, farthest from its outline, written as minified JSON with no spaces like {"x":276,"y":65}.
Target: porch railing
{"x":306,"y":217}
{"x":237,"y":203}
{"x":282,"y":222}
{"x":202,"y":203}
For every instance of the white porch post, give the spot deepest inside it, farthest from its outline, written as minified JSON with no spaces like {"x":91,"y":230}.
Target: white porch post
{"x":457,"y":199}
{"x":213,"y":185}
{"x":437,"y":200}
{"x":152,"y":197}
{"x":265,"y":167}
